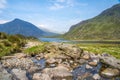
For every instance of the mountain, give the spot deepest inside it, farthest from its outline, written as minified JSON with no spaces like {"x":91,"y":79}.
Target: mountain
{"x":25,"y":28}
{"x":105,"y":26}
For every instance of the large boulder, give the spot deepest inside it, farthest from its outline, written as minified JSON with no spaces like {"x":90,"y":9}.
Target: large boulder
{"x":58,"y":73}
{"x":4,"y":75}
{"x":20,"y":74}
{"x":110,"y":60}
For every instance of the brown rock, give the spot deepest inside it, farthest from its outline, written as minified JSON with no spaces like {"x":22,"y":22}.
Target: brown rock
{"x":109,"y":72}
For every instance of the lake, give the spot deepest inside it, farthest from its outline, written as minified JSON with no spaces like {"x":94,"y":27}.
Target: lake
{"x":53,"y":40}
{"x":80,"y":41}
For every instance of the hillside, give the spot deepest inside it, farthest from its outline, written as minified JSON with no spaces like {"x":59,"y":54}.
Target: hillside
{"x":25,"y":28}
{"x":105,"y":26}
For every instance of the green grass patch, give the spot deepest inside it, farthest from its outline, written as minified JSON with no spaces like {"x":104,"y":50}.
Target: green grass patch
{"x":35,"y":49}
{"x":113,"y":49}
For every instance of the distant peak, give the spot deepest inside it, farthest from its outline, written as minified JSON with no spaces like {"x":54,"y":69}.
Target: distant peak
{"x":17,"y":19}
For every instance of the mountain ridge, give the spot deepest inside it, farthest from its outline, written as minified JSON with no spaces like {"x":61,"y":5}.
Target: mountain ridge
{"x":18,"y":26}
{"x":105,"y":26}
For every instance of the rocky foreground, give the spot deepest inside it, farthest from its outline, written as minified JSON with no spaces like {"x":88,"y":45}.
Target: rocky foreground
{"x":60,"y":62}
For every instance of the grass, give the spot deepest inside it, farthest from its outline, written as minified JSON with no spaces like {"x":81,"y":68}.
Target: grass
{"x":35,"y":49}
{"x":113,"y":49}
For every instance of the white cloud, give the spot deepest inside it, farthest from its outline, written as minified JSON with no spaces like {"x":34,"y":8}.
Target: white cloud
{"x":60,"y":4}
{"x":56,"y":6}
{"x":3,"y":21}
{"x":42,"y":25}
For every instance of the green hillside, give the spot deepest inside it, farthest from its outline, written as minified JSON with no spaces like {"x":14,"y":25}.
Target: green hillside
{"x":105,"y":26}
{"x":10,"y":44}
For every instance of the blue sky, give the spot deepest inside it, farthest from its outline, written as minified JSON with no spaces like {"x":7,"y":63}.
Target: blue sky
{"x":54,"y":15}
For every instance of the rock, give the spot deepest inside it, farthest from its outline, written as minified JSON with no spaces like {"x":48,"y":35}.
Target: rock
{"x":58,"y":73}
{"x":20,"y":74}
{"x":82,"y":61}
{"x":7,"y":57}
{"x":93,"y":63}
{"x":34,"y":69}
{"x":94,"y":57}
{"x":61,"y":50}
{"x":96,"y":77}
{"x":39,"y":56}
{"x":51,"y":61}
{"x":20,"y":55}
{"x":4,"y":75}
{"x":109,"y":72}
{"x":86,"y":57}
{"x":39,"y":76}
{"x":24,"y":63}
{"x":88,"y":67}
{"x":85,"y":76}
{"x":110,"y":60}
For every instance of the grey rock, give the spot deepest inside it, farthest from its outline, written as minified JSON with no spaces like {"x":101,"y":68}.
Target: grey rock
{"x":20,"y":74}
{"x":58,"y":73}
{"x":4,"y":75}
{"x":39,"y":76}
{"x":110,"y":60}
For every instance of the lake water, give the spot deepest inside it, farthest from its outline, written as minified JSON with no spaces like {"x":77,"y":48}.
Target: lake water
{"x":63,"y":40}
{"x":53,"y":40}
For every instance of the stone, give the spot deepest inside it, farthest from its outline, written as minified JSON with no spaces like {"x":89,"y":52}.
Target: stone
{"x":34,"y":69}
{"x":85,"y":76}
{"x":51,"y":61}
{"x":20,"y":74}
{"x":93,"y":63}
{"x":4,"y":75}
{"x":110,"y":60}
{"x":88,"y":67}
{"x":25,"y":63}
{"x":109,"y":72}
{"x":96,"y":77}
{"x":82,"y":61}
{"x":41,"y":76}
{"x":20,"y":55}
{"x":58,"y":73}
{"x":86,"y":57}
{"x":7,"y":57}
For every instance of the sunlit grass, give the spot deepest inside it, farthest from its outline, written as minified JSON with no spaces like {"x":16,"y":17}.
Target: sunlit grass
{"x":35,"y":49}
{"x":113,"y":49}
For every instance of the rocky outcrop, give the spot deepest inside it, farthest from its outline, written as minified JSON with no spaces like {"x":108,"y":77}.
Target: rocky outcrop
{"x":59,"y":50}
{"x":110,"y":60}
{"x":59,"y":61}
